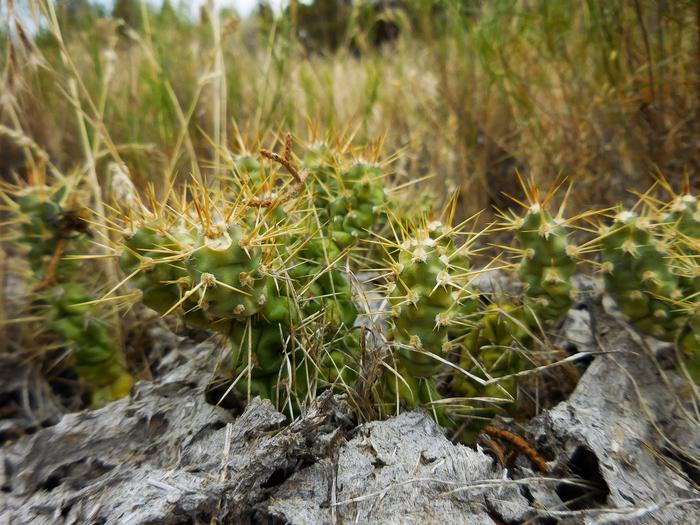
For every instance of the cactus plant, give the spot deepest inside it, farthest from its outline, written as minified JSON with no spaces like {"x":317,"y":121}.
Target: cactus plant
{"x":652,"y":273}
{"x":429,"y":294}
{"x":547,"y":265}
{"x":261,"y":270}
{"x":52,"y":234}
{"x":638,"y":276}
{"x":493,"y":348}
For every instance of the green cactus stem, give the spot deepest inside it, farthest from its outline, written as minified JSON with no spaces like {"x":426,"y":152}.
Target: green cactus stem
{"x":54,"y":234}
{"x":547,"y":266}
{"x":97,"y":361}
{"x":638,"y":276}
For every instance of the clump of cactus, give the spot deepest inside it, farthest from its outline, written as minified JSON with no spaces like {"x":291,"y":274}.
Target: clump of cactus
{"x":260,"y":267}
{"x":651,"y":271}
{"x":428,"y":291}
{"x":269,"y":266}
{"x":495,"y":347}
{"x":52,"y":232}
{"x":272,"y":271}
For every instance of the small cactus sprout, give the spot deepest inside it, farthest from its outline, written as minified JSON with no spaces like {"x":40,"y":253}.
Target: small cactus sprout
{"x":547,"y":258}
{"x":428,"y":290}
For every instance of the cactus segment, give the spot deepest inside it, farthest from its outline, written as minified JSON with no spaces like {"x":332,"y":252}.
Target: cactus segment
{"x":684,"y":218}
{"x":53,"y":234}
{"x":97,"y":361}
{"x":421,"y":306}
{"x":652,"y":273}
{"x":639,"y":278}
{"x":41,"y":214}
{"x":682,"y":234}
{"x":488,"y":353}
{"x":228,"y":268}
{"x":547,"y":266}
{"x":153,"y":255}
{"x":353,"y":201}
{"x":360,"y":206}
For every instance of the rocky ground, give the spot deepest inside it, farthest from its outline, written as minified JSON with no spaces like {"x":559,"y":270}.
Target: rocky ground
{"x":620,"y":449}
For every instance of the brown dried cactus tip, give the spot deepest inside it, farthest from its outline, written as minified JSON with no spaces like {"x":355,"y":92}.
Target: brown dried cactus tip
{"x":272,"y":199}
{"x":520,"y":444}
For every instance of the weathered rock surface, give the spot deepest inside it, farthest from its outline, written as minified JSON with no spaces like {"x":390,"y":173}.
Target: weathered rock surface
{"x":402,"y":470}
{"x":622,"y":433}
{"x":26,"y":401}
{"x":164,"y":455}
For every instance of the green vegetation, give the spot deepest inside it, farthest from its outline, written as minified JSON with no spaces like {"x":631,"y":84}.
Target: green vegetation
{"x":401,"y":113}
{"x":52,"y":236}
{"x":652,"y":273}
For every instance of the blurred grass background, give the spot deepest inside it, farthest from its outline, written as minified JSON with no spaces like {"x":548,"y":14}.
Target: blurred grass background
{"x":605,"y":93}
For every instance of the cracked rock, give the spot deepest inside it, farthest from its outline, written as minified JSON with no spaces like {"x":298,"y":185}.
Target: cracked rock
{"x":161,"y":456}
{"x":403,"y":470}
{"x":614,"y":433}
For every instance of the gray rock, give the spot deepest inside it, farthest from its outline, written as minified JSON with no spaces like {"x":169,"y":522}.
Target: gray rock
{"x":403,"y":470}
{"x":28,"y":403}
{"x":163,"y":455}
{"x":619,"y":433}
